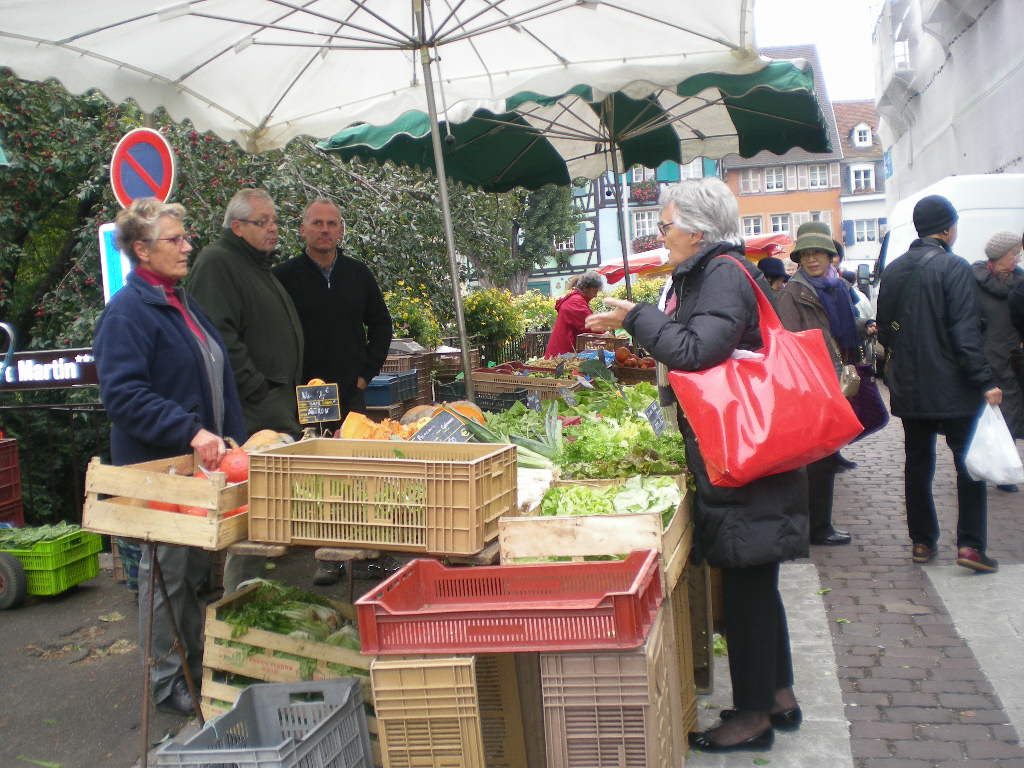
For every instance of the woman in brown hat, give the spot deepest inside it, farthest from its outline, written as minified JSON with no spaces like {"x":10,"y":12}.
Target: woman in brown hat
{"x":815,"y":297}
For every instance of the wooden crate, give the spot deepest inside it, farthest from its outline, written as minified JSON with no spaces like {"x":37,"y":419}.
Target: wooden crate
{"x":580,"y":536}
{"x":600,"y":341}
{"x":682,"y":623}
{"x":547,"y":388}
{"x":127,"y":514}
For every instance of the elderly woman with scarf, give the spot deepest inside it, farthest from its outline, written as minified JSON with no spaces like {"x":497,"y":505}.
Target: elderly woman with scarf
{"x":817,"y":297}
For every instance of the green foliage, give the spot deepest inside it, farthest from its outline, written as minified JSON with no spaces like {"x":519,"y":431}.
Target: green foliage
{"x":646,"y":290}
{"x":491,"y":315}
{"x":536,"y":309}
{"x":411,"y":314}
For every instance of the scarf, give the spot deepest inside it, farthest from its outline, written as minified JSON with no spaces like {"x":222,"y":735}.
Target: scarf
{"x":834,"y":294}
{"x":172,"y":298}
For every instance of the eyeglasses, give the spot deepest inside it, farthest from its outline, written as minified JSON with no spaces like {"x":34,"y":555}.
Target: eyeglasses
{"x":177,"y":240}
{"x":664,"y":226}
{"x":260,"y":223}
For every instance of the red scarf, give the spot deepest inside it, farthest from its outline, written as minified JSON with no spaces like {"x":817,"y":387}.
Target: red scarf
{"x":172,"y":298}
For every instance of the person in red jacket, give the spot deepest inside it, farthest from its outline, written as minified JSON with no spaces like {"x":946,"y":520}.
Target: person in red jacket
{"x":573,"y":309}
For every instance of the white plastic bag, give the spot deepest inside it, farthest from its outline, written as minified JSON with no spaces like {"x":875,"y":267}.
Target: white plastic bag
{"x":992,"y":454}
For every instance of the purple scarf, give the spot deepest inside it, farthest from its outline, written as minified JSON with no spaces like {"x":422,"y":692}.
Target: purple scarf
{"x":834,"y":294}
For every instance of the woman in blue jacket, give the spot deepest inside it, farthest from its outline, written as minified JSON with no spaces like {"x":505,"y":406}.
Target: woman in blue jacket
{"x":168,"y":389}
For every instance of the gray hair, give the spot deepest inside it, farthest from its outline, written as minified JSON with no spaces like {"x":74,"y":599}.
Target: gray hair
{"x":704,"y":205}
{"x":589,"y":280}
{"x":141,"y":221}
{"x":240,"y":205}
{"x":321,"y":201}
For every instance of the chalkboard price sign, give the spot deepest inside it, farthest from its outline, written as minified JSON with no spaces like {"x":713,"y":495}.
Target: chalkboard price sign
{"x":533,"y":400}
{"x":443,"y":428}
{"x":656,"y":417}
{"x":318,"y":403}
{"x":566,"y":394}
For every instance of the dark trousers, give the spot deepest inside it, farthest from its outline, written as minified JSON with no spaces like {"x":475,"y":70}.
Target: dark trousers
{"x":922,"y":521}
{"x":757,"y":635}
{"x":821,"y":482}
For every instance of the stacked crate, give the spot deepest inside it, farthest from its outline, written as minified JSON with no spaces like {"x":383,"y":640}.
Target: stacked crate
{"x":11,"y":509}
{"x":421,"y":363}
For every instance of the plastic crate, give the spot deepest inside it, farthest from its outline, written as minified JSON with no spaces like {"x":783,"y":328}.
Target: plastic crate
{"x":284,"y":725}
{"x":600,"y":341}
{"x":501,"y":719}
{"x":53,"y":582}
{"x":428,"y":713}
{"x":427,"y":608}
{"x":436,"y":498}
{"x":487,"y":401}
{"x":614,"y":710}
{"x":448,"y":365}
{"x":9,"y":453}
{"x":50,"y":555}
{"x":421,"y":363}
{"x":391,"y":388}
{"x":625,"y":374}
{"x":547,"y":388}
{"x":13,"y":513}
{"x":10,"y":485}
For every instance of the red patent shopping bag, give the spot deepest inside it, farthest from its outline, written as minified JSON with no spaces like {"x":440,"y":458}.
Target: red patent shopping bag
{"x":758,"y":417}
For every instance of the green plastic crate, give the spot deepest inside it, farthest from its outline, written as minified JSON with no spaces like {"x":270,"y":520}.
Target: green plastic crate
{"x":53,"y":582}
{"x":51,"y":555}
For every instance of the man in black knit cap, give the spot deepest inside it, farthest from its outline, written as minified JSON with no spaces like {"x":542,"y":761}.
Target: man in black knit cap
{"x":928,"y":321}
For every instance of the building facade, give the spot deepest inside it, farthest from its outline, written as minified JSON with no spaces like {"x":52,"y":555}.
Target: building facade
{"x":862,"y":181}
{"x":949,"y":74}
{"x":778,"y":193}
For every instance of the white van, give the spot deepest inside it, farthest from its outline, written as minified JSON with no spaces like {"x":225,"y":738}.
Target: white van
{"x":985,"y":203}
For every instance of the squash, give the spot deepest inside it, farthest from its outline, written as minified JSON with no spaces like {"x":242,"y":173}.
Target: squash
{"x":357,"y":427}
{"x":416,"y":413}
{"x":235,"y":465}
{"x":465,"y":409}
{"x":262,"y":439}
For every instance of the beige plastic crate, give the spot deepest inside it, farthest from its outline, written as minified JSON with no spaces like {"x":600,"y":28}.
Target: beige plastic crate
{"x":547,"y":388}
{"x":615,"y":710}
{"x":435,"y":498}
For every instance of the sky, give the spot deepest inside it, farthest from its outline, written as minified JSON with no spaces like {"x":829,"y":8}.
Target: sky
{"x":840,"y":28}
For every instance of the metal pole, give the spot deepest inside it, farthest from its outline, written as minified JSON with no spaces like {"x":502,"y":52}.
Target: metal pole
{"x":622,"y":221}
{"x":442,"y":184}
{"x":147,"y":654}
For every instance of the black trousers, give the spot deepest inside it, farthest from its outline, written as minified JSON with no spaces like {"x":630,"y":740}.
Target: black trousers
{"x":922,"y":521}
{"x":757,"y":635}
{"x":821,"y":482}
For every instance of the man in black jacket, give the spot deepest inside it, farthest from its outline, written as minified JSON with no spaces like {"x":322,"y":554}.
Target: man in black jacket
{"x":345,"y":322}
{"x":938,"y":376}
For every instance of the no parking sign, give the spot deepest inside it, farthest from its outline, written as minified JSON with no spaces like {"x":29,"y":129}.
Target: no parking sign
{"x":142,"y":166}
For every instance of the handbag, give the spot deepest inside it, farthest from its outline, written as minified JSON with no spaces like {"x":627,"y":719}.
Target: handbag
{"x":762,"y":414}
{"x":867,"y":404}
{"x":849,"y":380}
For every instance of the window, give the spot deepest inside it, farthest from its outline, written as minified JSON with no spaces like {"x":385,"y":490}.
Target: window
{"x":693,"y":169}
{"x":780,"y":222}
{"x":774,"y":179}
{"x":642,"y":174}
{"x":645,"y":223}
{"x":862,"y":135}
{"x":751,"y":226}
{"x":862,"y":178}
{"x":749,"y":182}
{"x":865,"y":230}
{"x":825,"y":216}
{"x":569,"y":244}
{"x":817,"y":177}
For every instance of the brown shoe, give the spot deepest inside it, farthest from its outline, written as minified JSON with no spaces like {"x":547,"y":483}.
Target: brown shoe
{"x":922,"y":553}
{"x":976,"y":560}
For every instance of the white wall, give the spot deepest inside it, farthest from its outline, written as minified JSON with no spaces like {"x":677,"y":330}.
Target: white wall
{"x":863,"y":207}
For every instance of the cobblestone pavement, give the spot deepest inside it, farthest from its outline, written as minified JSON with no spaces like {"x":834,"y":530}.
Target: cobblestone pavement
{"x":921,"y":652}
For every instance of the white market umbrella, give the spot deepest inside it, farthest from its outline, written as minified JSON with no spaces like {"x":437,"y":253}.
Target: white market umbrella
{"x":261,"y":72}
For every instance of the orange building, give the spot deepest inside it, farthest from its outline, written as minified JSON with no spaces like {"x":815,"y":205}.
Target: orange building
{"x":778,"y":193}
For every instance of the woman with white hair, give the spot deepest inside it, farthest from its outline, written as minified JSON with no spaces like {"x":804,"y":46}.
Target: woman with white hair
{"x":573,"y":310}
{"x":746,"y":531}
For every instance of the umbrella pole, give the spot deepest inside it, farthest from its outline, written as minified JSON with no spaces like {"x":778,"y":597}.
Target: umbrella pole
{"x":622,"y":223}
{"x":446,"y":213}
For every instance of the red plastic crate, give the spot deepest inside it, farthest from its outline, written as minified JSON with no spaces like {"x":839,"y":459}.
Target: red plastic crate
{"x":427,"y":608}
{"x":12,"y":513}
{"x":8,"y":453}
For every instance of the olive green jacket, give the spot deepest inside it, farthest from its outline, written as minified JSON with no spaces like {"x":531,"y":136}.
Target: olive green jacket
{"x":233,"y":284}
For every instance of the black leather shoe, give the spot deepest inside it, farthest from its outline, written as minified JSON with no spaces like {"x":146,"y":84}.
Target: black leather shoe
{"x":844,"y":464}
{"x":177,"y":702}
{"x":834,"y":539}
{"x":786,"y":720}
{"x":758,"y":743}
{"x":1010,"y":488}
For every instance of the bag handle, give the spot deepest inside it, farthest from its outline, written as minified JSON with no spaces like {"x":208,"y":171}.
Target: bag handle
{"x":768,"y":320}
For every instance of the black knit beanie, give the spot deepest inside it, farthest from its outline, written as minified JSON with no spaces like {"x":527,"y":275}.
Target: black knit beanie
{"x":933,"y":214}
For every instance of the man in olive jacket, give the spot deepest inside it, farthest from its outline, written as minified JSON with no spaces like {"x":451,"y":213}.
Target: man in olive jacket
{"x":233,"y":283}
{"x":937,"y":375}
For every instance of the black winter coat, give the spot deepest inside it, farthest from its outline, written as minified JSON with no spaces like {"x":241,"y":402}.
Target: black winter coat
{"x":937,"y":366}
{"x":766,"y":520}
{"x":345,"y":322}
{"x":1001,"y":339}
{"x":1016,"y":302}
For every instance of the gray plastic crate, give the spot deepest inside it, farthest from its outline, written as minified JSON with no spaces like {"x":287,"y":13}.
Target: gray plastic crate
{"x":318,"y":724}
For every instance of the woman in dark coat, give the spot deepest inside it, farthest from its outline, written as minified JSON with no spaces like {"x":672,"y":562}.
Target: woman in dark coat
{"x":995,"y":278}
{"x":168,"y":389}
{"x":746,"y":531}
{"x":815,"y":297}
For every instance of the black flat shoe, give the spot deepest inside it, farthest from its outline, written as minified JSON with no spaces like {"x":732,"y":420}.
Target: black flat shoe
{"x":834,"y":539}
{"x":759,"y":743}
{"x":1010,"y":488}
{"x":786,"y":720}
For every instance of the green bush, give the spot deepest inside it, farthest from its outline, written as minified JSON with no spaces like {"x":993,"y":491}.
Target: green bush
{"x":537,"y":310}
{"x":412,"y":316}
{"x":491,"y":314}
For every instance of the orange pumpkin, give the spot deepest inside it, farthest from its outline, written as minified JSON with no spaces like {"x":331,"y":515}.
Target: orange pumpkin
{"x":235,"y":465}
{"x":357,"y":427}
{"x":464,"y":408}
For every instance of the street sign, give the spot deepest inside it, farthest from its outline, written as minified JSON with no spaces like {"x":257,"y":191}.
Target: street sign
{"x":49,"y":369}
{"x":114,"y":265}
{"x":142,"y":166}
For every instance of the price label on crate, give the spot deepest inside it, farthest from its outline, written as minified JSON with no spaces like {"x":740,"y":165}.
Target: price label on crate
{"x":318,"y":403}
{"x":656,"y":417}
{"x":443,"y":428}
{"x":566,"y":394}
{"x":533,"y":400}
